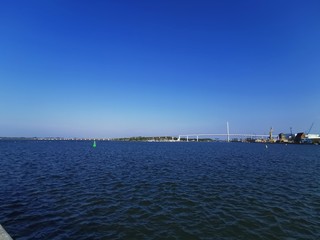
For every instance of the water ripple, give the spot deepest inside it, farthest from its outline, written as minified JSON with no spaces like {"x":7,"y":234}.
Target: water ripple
{"x":67,"y":190}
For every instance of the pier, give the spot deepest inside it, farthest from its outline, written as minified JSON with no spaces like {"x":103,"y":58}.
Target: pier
{"x":3,"y":234}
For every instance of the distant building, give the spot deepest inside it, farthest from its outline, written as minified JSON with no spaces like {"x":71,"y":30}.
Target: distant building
{"x":312,"y":138}
{"x":307,"y":138}
{"x":286,"y":137}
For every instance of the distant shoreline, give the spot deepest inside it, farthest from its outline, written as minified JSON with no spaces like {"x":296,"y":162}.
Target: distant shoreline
{"x":125,"y":139}
{"x":149,"y":139}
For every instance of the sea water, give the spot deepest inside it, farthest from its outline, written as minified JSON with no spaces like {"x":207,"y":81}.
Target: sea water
{"x":140,"y":190}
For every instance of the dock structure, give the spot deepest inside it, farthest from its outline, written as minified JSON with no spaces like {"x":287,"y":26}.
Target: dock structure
{"x":4,"y":235}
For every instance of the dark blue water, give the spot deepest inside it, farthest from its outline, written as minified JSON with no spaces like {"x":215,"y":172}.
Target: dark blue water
{"x":131,"y":190}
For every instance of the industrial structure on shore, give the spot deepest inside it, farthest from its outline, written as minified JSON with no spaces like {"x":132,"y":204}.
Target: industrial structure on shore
{"x":298,"y":138}
{"x":301,"y":137}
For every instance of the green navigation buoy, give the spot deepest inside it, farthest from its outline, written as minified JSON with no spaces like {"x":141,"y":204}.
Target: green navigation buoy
{"x":94,"y":143}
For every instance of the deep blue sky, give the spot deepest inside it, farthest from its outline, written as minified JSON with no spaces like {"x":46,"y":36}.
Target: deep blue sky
{"x":128,"y":68}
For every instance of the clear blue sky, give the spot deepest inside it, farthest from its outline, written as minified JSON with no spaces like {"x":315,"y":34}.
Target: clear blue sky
{"x":128,"y":68}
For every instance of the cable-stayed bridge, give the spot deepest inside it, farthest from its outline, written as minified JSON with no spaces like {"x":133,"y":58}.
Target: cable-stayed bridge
{"x":228,"y":135}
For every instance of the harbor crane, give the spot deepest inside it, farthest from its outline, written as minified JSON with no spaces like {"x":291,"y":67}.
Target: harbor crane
{"x":310,"y":128}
